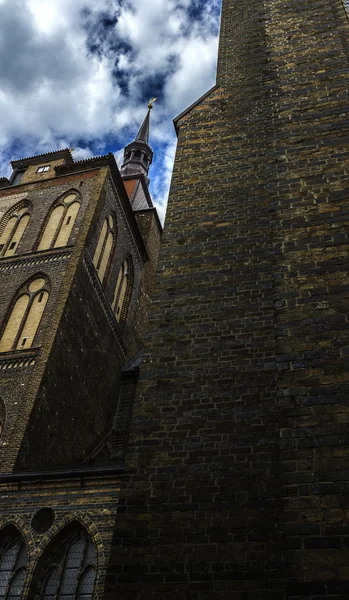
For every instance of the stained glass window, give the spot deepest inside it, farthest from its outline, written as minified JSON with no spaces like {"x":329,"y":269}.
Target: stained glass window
{"x":13,"y":566}
{"x":71,"y":572}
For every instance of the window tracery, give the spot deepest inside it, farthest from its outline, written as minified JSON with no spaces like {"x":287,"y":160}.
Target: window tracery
{"x":70,"y":571}
{"x":13,"y":564}
{"x":25,"y":317}
{"x":60,"y":222}
{"x":105,"y":248}
{"x":12,"y":229}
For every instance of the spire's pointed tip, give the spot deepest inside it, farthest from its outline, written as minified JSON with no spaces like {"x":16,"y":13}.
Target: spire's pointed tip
{"x":151,"y":103}
{"x":143,"y":134}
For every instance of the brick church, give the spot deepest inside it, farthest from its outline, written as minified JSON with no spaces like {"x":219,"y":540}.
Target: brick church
{"x":197,"y":448}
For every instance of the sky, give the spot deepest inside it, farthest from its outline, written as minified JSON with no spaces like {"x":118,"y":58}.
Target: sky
{"x":80,"y":73}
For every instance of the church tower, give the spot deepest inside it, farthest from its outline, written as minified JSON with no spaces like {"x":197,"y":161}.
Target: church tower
{"x":78,"y":251}
{"x":236,"y":478}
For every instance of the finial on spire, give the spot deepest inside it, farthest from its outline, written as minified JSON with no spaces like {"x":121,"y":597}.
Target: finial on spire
{"x":151,"y":103}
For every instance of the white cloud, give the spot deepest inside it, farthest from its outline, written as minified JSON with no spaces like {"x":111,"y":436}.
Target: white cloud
{"x":78,"y":73}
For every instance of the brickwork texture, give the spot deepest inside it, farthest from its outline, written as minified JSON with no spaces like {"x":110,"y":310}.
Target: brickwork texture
{"x":236,"y":486}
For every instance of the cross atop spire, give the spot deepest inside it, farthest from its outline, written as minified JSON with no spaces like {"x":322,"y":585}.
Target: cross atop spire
{"x":138,"y":155}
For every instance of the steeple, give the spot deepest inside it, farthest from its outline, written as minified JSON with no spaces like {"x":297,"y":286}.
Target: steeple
{"x":138,"y":155}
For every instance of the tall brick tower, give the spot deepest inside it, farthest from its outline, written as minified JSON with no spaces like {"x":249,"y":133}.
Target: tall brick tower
{"x":78,"y":250}
{"x":236,"y":479}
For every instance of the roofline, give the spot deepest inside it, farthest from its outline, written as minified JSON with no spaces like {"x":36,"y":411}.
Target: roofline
{"x":109,"y":161}
{"x":140,"y":177}
{"x":182,"y":114}
{"x":69,"y":473}
{"x":32,"y":160}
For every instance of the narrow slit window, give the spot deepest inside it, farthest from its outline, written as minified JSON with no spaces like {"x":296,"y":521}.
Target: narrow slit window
{"x":105,"y":249}
{"x":123,"y":291}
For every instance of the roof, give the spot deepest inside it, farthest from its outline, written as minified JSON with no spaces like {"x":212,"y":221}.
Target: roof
{"x":143,"y":134}
{"x":33,"y":160}
{"x":109,"y":161}
{"x":130,"y":186}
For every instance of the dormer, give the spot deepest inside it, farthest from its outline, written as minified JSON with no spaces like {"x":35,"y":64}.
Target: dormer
{"x":37,"y":168}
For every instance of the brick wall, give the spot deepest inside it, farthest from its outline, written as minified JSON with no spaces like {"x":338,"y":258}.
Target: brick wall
{"x":237,"y":483}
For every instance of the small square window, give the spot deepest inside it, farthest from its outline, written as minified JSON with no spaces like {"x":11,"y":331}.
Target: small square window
{"x":12,"y":245}
{"x":43,"y":169}
{"x":24,"y":341}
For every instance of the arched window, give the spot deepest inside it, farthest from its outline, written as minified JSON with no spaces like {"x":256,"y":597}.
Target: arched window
{"x":2,"y":418}
{"x":26,"y":314}
{"x":105,"y":248}
{"x":69,"y":571}
{"x":123,"y":290}
{"x":60,"y":223}
{"x":12,"y":228}
{"x":13,"y":564}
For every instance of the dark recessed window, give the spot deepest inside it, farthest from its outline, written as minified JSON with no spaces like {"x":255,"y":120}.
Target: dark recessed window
{"x":43,"y":169}
{"x":17,"y":177}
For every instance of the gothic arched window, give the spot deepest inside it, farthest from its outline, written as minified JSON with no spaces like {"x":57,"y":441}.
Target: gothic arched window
{"x":123,"y":290}
{"x":60,"y":223}
{"x":70,"y":569}
{"x":25,"y":316}
{"x":105,"y":248}
{"x":2,"y":418}
{"x":13,"y":564}
{"x":12,"y":228}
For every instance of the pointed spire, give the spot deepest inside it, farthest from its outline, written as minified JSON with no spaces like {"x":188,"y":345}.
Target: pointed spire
{"x":138,"y":155}
{"x":143,"y":134}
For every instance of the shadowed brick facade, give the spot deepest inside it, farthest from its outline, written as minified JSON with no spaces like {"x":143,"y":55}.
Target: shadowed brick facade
{"x":236,"y":479}
{"x":66,"y":400}
{"x":230,"y":481}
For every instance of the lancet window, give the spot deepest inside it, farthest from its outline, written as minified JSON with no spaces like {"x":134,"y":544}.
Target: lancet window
{"x":105,"y":248}
{"x":25,"y":316}
{"x":60,"y":223}
{"x":123,"y":290}
{"x":2,"y":418}
{"x":69,"y":571}
{"x":13,"y":564}
{"x":12,"y":228}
